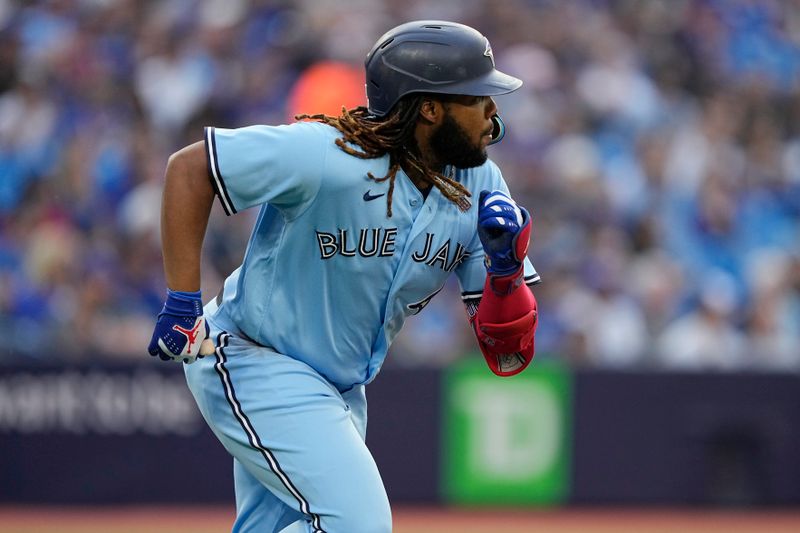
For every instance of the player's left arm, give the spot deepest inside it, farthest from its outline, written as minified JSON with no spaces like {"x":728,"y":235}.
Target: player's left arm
{"x":506,"y":317}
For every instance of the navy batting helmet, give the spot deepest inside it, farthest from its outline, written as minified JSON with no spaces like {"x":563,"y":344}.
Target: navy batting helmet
{"x":432,"y":56}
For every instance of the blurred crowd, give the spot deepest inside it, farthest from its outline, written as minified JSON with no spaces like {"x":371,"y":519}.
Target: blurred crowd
{"x":655,"y":142}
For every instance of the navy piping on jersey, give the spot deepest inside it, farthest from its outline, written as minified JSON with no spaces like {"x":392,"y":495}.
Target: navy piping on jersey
{"x":214,"y":174}
{"x":255,"y":441}
{"x":530,"y":281}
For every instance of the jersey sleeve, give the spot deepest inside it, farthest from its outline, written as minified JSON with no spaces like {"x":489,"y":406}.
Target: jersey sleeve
{"x":279,"y":165}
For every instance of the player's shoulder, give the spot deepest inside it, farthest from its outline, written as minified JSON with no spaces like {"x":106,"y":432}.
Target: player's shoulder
{"x":324,"y":134}
{"x":310,"y":128}
{"x":485,"y":176}
{"x":294,"y":131}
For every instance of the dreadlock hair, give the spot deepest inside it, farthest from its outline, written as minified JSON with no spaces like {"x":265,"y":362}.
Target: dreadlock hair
{"x":393,"y":135}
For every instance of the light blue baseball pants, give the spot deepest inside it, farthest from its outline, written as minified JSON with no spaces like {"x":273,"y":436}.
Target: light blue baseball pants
{"x":297,"y":442}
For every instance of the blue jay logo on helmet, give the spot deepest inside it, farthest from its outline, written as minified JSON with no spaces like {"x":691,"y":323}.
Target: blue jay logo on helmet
{"x":488,"y":52}
{"x":430,"y":56}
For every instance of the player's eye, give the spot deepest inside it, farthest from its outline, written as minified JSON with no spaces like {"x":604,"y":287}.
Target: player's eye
{"x":463,"y":99}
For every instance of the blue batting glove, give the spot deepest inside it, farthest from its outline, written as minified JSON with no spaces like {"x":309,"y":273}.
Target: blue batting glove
{"x":504,"y":230}
{"x":180,"y":329}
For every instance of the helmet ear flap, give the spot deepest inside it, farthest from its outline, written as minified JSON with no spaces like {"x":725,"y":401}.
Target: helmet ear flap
{"x":499,"y":130}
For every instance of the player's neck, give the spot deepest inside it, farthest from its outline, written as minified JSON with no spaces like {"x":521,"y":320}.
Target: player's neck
{"x":425,"y":157}
{"x":423,"y":186}
{"x":416,"y":178}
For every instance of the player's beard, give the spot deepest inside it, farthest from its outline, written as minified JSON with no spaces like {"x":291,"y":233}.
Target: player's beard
{"x":451,"y":145}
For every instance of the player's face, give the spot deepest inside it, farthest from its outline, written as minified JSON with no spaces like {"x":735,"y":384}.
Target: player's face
{"x":465,"y":132}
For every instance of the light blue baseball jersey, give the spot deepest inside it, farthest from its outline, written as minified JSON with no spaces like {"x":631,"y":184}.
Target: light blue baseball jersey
{"x":327,"y":277}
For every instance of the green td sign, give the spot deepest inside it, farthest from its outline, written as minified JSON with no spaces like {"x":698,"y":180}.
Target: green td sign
{"x":506,"y":440}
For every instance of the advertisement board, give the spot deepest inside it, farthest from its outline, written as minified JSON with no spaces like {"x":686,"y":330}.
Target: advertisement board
{"x":506,"y":440}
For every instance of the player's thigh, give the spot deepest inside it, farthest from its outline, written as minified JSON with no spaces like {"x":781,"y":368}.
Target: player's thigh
{"x":291,"y":430}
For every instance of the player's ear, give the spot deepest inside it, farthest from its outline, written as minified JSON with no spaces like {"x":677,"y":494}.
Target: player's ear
{"x":431,"y":110}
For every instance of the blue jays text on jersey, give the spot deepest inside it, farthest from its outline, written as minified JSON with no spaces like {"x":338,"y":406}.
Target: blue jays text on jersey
{"x":327,"y":277}
{"x":379,"y":242}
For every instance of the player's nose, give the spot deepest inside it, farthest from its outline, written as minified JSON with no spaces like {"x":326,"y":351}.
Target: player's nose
{"x":491,"y":107}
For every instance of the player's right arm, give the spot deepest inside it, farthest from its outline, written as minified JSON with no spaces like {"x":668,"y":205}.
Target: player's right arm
{"x":185,"y":208}
{"x":186,"y":205}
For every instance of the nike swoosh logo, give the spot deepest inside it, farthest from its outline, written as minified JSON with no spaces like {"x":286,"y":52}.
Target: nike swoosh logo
{"x":368,"y":196}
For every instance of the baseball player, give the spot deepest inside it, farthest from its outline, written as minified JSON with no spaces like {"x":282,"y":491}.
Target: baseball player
{"x":362,"y":218}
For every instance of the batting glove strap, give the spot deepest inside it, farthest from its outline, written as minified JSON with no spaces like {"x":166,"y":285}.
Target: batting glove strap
{"x":180,"y":303}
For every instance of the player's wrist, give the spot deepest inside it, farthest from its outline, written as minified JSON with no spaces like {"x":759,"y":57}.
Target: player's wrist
{"x":183,"y":303}
{"x":498,"y":266}
{"x":508,"y":282}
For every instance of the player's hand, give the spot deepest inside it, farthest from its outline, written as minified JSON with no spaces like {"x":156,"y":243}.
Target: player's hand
{"x":504,"y":230}
{"x":180,"y":329}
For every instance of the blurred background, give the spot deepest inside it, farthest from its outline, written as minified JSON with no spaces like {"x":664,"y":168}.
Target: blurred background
{"x":656,"y":144}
